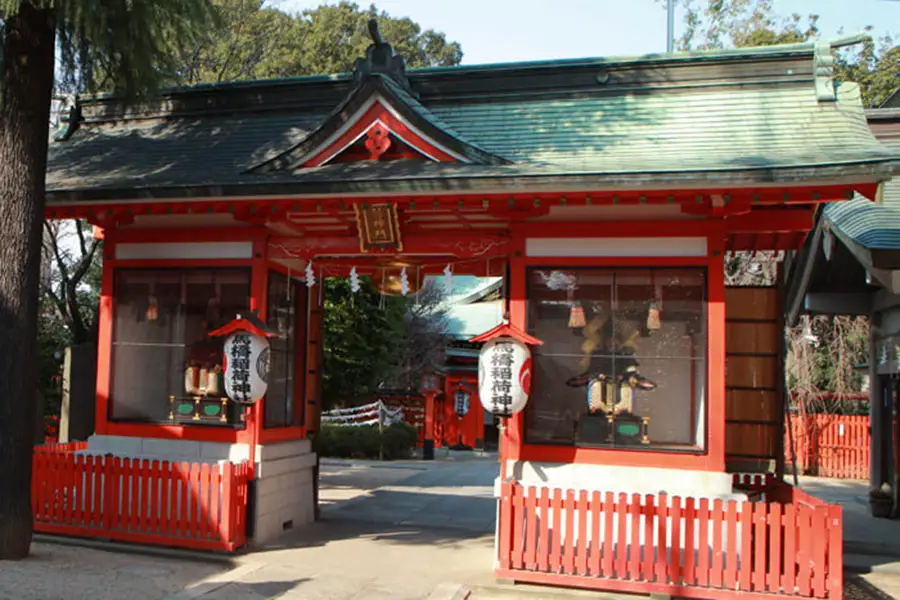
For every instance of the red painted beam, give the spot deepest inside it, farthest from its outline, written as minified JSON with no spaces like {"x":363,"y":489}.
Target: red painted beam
{"x":449,"y":244}
{"x":772,"y":221}
{"x":523,"y":203}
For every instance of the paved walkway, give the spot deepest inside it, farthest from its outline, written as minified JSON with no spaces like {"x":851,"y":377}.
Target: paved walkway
{"x":863,"y":533}
{"x":457,"y":494}
{"x":388,"y":530}
{"x":411,"y":530}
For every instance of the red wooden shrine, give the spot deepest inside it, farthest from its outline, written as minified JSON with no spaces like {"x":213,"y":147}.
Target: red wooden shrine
{"x":607,"y":193}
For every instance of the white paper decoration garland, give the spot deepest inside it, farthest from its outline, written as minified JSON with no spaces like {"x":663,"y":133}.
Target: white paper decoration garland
{"x":448,"y":278}
{"x":404,"y":282}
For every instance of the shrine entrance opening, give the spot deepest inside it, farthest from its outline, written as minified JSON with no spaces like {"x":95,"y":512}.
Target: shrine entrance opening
{"x":448,"y":260}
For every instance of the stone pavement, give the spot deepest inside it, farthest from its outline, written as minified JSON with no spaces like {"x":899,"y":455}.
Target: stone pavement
{"x":406,"y":530}
{"x":456,"y":494}
{"x":388,"y":530}
{"x":863,"y":533}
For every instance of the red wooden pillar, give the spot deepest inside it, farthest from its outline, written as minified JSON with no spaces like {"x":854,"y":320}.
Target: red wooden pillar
{"x":429,"y":416}
{"x":513,"y":436}
{"x":716,"y":350}
{"x":105,"y":334}
{"x":259,"y":282}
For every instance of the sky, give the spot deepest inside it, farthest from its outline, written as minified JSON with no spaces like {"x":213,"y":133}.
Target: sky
{"x":520,"y":30}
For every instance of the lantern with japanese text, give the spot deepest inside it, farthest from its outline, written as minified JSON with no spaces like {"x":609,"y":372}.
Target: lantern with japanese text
{"x":246,"y":358}
{"x":504,"y":369}
{"x":461,"y":400}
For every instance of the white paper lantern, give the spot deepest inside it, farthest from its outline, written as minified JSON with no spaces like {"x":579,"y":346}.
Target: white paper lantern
{"x":246,"y":367}
{"x":461,"y":400}
{"x":504,"y":376}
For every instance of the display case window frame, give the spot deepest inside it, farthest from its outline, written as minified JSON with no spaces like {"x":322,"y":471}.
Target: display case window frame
{"x":234,"y":413}
{"x":701,"y":441}
{"x":298,"y":342}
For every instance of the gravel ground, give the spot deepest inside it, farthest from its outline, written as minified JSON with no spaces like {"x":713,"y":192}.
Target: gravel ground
{"x":58,"y":572}
{"x":871,"y":586}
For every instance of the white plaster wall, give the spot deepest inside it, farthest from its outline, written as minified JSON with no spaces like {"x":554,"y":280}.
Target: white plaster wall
{"x":163,"y":449}
{"x":620,"y":479}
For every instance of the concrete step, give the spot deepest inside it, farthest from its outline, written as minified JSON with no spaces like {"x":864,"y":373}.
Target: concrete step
{"x":872,"y":563}
{"x":494,"y":589}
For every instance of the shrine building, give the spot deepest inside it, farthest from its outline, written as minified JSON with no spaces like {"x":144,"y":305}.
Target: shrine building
{"x":606,"y":193}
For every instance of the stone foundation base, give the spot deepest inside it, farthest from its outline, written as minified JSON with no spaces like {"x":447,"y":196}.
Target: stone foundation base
{"x":629,"y":480}
{"x":284,"y":489}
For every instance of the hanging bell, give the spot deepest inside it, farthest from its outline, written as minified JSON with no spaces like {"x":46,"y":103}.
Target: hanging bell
{"x":576,"y":315}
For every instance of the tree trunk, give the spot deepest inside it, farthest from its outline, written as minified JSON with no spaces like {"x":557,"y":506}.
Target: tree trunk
{"x":26,"y":87}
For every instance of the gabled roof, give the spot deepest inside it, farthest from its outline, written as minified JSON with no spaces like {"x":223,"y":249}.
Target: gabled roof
{"x":739,"y":118}
{"x":379,"y":99}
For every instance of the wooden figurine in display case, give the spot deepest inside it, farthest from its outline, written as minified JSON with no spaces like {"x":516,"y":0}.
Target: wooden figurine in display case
{"x":611,"y":378}
{"x":204,"y":399}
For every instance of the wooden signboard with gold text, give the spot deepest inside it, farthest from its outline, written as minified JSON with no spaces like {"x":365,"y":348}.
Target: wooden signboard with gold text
{"x":379,"y":227}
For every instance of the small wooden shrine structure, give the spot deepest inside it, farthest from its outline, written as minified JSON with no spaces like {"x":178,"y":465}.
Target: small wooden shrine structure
{"x":850,"y":265}
{"x":606,"y":192}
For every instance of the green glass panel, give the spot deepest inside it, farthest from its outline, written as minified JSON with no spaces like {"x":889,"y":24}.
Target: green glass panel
{"x":185,"y":409}
{"x":211,"y":410}
{"x":629,"y":429}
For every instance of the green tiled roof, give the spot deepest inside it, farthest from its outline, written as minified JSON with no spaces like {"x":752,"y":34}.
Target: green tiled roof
{"x":707,"y":120}
{"x":873,"y":226}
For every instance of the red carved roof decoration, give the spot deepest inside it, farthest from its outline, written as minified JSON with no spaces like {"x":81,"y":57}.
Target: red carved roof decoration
{"x":250,"y":323}
{"x":366,"y":125}
{"x":507,"y":330}
{"x":378,"y":140}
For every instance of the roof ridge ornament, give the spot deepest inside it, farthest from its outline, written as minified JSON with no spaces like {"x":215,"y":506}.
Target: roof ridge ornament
{"x":380,"y":59}
{"x":823,"y":72}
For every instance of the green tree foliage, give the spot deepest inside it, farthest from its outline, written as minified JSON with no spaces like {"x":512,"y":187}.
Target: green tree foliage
{"x":256,"y":41}
{"x":125,"y":45}
{"x":73,"y":270}
{"x":739,"y":23}
{"x":822,"y":352}
{"x":875,"y":66}
{"x":711,"y":24}
{"x":362,"y":333}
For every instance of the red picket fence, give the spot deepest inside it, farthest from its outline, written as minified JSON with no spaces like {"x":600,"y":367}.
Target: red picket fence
{"x":668,"y":545}
{"x":830,"y":445}
{"x":61,"y":447}
{"x":188,"y":505}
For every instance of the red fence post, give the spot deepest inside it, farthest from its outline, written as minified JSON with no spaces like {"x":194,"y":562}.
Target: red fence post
{"x":503,"y":543}
{"x":835,"y":526}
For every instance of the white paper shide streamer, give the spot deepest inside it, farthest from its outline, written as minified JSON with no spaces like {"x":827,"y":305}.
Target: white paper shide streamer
{"x":310,"y":275}
{"x":404,"y":282}
{"x":448,"y":278}
{"x":354,"y":280}
{"x":370,"y":414}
